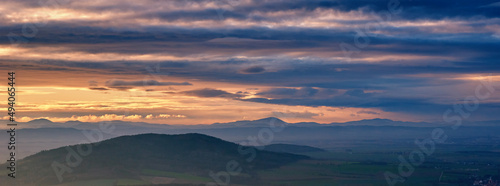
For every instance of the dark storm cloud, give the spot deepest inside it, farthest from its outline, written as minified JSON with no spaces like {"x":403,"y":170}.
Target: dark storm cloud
{"x":209,"y":93}
{"x":98,"y":88}
{"x":114,"y":83}
{"x":267,"y":42}
{"x":389,"y":104}
{"x":290,"y":92}
{"x":369,"y":76}
{"x":367,"y":112}
{"x":326,"y":76}
{"x":420,"y":48}
{"x":253,"y":70}
{"x":422,"y":9}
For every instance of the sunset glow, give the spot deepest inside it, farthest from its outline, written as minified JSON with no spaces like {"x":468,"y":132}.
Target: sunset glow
{"x":174,"y":62}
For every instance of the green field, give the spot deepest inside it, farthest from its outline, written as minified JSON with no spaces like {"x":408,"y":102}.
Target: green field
{"x":149,"y":172}
{"x":100,"y":182}
{"x":341,"y":168}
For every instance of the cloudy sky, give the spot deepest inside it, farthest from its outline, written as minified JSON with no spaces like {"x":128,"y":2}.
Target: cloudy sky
{"x":205,"y":61}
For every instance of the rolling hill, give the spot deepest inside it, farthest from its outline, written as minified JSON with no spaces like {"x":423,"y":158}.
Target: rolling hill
{"x":147,"y":157}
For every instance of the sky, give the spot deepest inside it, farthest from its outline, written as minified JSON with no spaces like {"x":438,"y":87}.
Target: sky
{"x":207,"y":61}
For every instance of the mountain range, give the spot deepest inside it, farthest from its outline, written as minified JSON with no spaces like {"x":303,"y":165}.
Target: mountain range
{"x":43,"y":134}
{"x":264,"y":122}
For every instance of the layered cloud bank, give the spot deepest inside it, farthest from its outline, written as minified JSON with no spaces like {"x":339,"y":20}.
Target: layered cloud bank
{"x":225,"y":60}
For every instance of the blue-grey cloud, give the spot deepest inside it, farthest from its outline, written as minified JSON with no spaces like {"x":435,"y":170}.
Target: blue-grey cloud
{"x":114,"y":83}
{"x":98,"y":88}
{"x":208,"y":93}
{"x":253,"y":70}
{"x":424,"y":47}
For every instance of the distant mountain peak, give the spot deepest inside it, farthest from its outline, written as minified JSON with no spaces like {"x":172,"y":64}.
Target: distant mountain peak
{"x":73,"y":121}
{"x":41,"y":120}
{"x":270,"y":119}
{"x":264,"y":122}
{"x":378,"y":119}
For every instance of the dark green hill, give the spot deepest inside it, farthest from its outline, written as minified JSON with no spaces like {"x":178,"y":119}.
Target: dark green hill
{"x":134,"y":157}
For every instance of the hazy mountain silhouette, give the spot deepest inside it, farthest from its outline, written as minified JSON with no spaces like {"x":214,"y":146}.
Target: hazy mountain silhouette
{"x":41,"y":137}
{"x":265,"y":122}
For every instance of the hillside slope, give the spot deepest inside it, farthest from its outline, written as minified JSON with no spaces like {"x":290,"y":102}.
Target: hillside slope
{"x":133,"y":157}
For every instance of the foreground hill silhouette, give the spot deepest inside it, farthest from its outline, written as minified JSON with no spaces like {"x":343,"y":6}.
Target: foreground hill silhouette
{"x":139,"y":156}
